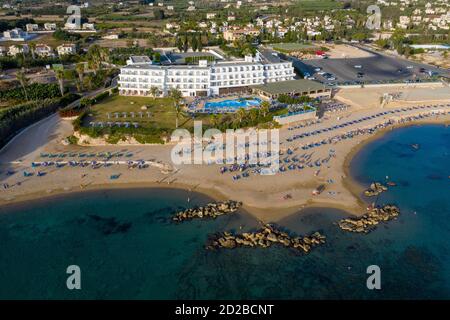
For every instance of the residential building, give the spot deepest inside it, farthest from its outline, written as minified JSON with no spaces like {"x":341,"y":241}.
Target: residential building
{"x":67,"y":48}
{"x":18,"y":49}
{"x":49,"y":26}
{"x":43,"y":50}
{"x":31,"y":27}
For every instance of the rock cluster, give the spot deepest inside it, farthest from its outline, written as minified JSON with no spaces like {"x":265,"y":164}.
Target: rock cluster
{"x":265,"y":238}
{"x":375,"y":189}
{"x":370,"y":220}
{"x":211,"y":210}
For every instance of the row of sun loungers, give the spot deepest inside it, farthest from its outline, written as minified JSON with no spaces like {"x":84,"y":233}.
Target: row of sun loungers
{"x":111,"y":124}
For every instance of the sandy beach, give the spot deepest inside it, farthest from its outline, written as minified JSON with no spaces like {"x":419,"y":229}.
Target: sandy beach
{"x":263,"y":196}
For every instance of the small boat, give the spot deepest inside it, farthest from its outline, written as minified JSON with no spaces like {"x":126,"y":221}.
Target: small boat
{"x":391,"y":183}
{"x":415,"y":146}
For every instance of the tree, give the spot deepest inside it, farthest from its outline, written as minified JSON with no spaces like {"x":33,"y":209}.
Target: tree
{"x":95,"y":56}
{"x":22,"y":78}
{"x":240,"y":115}
{"x":214,"y":118}
{"x":159,"y":14}
{"x":179,"y":43}
{"x":79,"y":68}
{"x":176,"y":96}
{"x":32,"y":48}
{"x":265,"y":108}
{"x":200,"y":44}
{"x":60,"y":76}
{"x":154,"y":91}
{"x":185,"y":43}
{"x":194,"y":43}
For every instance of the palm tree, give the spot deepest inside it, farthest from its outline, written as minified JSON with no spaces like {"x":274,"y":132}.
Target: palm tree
{"x":95,"y":56}
{"x":265,"y":108}
{"x":214,"y":120}
{"x":240,"y":115}
{"x":60,"y":77}
{"x":253,"y":114}
{"x":32,"y":48}
{"x":154,"y":91}
{"x":22,"y":78}
{"x":80,"y":71}
{"x":176,"y":96}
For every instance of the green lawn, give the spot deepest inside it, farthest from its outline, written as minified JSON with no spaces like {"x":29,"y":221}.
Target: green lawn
{"x":292,"y":46}
{"x":162,"y":112}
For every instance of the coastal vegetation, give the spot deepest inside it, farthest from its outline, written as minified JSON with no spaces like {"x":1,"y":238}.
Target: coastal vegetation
{"x":34,"y":91}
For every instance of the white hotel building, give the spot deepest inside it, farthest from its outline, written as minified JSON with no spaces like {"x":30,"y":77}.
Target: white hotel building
{"x":203,"y":79}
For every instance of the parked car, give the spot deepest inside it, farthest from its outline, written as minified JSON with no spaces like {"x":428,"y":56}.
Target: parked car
{"x":358,"y":66}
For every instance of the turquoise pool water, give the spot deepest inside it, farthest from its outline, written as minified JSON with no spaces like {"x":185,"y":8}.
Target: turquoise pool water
{"x":233,"y":104}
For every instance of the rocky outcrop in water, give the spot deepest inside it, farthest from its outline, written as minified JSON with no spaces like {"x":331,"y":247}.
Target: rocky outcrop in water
{"x":375,"y":189}
{"x":264,"y":238}
{"x":211,"y":210}
{"x":370,"y":220}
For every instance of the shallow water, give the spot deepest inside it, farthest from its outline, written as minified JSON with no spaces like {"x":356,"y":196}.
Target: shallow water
{"x":126,"y":246}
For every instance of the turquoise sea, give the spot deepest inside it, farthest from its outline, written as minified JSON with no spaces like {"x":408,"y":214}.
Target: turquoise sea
{"x":127,"y":247}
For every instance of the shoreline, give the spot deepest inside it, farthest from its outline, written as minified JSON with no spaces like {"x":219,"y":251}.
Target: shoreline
{"x":263,"y":214}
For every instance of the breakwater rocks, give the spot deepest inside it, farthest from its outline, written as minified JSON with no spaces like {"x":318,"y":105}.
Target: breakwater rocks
{"x":211,"y":210}
{"x":265,"y":238}
{"x":375,"y":189}
{"x":370,"y":220}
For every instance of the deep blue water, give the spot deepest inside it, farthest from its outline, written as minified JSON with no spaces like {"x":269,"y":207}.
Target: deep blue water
{"x":127,"y":248}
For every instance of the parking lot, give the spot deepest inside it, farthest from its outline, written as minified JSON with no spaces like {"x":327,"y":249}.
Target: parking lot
{"x":378,"y":68}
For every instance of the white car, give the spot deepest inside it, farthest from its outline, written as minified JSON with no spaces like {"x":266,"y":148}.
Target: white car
{"x":358,"y":66}
{"x":317,"y":69}
{"x":409,"y":67}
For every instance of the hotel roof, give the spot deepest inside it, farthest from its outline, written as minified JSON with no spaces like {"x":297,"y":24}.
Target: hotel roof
{"x":291,"y":86}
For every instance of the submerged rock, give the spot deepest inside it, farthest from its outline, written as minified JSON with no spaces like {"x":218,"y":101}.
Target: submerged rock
{"x":264,"y":238}
{"x":211,"y":210}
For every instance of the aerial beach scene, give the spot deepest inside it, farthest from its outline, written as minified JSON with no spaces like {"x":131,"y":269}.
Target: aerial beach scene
{"x":177,"y":163}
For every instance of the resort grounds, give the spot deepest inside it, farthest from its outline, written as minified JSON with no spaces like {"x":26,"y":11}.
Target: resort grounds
{"x":269,"y":198}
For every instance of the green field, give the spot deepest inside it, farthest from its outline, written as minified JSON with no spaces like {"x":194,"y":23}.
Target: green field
{"x":292,"y":46}
{"x":313,"y":5}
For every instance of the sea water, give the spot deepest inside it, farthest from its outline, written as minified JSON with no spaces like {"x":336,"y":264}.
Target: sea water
{"x":127,"y":247}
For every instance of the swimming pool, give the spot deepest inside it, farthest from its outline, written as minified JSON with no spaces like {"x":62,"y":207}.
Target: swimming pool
{"x":233,"y":104}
